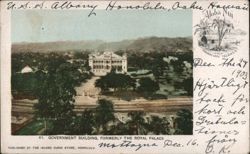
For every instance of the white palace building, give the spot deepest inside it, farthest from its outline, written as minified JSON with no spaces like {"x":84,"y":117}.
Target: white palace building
{"x":103,"y":63}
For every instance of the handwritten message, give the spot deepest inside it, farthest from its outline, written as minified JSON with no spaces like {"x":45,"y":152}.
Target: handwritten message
{"x":116,"y":5}
{"x":221,"y":111}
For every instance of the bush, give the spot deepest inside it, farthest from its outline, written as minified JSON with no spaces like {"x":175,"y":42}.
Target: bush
{"x":148,"y":86}
{"x":158,"y":96}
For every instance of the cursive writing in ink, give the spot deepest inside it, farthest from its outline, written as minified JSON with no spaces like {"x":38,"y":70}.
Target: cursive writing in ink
{"x":127,"y":144}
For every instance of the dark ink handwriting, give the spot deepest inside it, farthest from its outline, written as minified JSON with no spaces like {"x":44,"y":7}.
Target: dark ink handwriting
{"x":213,"y":110}
{"x":203,"y":85}
{"x":201,"y":62}
{"x":215,"y":5}
{"x":217,"y":120}
{"x":240,"y":98}
{"x":146,"y":6}
{"x":225,"y":141}
{"x":205,"y":99}
{"x":69,"y":5}
{"x":194,"y":6}
{"x":208,"y":131}
{"x":172,"y":144}
{"x":127,"y":144}
{"x":231,"y":62}
{"x":235,"y":111}
{"x":240,"y":74}
{"x":12,"y":5}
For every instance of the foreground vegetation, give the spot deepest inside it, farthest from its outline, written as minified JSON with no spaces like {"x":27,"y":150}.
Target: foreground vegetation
{"x":102,"y":121}
{"x":55,"y":76}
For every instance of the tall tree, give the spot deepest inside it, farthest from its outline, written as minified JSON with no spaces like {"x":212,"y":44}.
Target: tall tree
{"x":203,"y":28}
{"x":84,"y":124}
{"x":56,"y":95}
{"x":184,"y":122}
{"x":178,"y":66}
{"x":159,"y":125}
{"x":223,"y":27}
{"x":188,"y":85}
{"x":115,"y":81}
{"x":158,"y":66}
{"x":148,"y":86}
{"x":137,"y":123}
{"x":104,"y":114}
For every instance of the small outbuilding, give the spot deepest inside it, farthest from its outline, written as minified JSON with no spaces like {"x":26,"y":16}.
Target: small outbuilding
{"x":27,"y":69}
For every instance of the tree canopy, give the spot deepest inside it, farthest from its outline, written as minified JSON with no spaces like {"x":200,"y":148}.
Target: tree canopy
{"x":148,"y":85}
{"x":137,"y":124}
{"x":56,"y":95}
{"x":159,"y":125}
{"x":85,"y":123}
{"x":104,"y":114}
{"x":115,"y":81}
{"x":184,"y":122}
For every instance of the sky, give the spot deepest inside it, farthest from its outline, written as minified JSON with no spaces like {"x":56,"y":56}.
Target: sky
{"x":110,"y":26}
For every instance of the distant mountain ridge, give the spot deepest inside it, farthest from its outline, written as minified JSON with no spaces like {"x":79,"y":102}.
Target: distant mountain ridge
{"x":161,"y":44}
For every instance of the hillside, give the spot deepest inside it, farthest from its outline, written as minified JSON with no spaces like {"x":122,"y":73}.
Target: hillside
{"x":161,"y":44}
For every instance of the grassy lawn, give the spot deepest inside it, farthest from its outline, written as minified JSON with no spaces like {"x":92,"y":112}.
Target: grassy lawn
{"x":31,"y":129}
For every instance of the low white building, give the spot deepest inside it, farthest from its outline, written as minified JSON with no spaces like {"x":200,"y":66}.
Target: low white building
{"x":103,"y":63}
{"x":26,"y":69}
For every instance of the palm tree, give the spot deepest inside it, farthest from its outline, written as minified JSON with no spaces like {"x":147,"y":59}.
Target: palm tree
{"x":137,"y":124}
{"x":203,"y":29}
{"x":203,"y":26}
{"x":223,"y":27}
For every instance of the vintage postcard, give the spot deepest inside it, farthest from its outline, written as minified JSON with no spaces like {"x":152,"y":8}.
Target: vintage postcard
{"x":125,"y":77}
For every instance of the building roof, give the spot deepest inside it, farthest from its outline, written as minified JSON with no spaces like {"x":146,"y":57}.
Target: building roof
{"x":106,"y":55}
